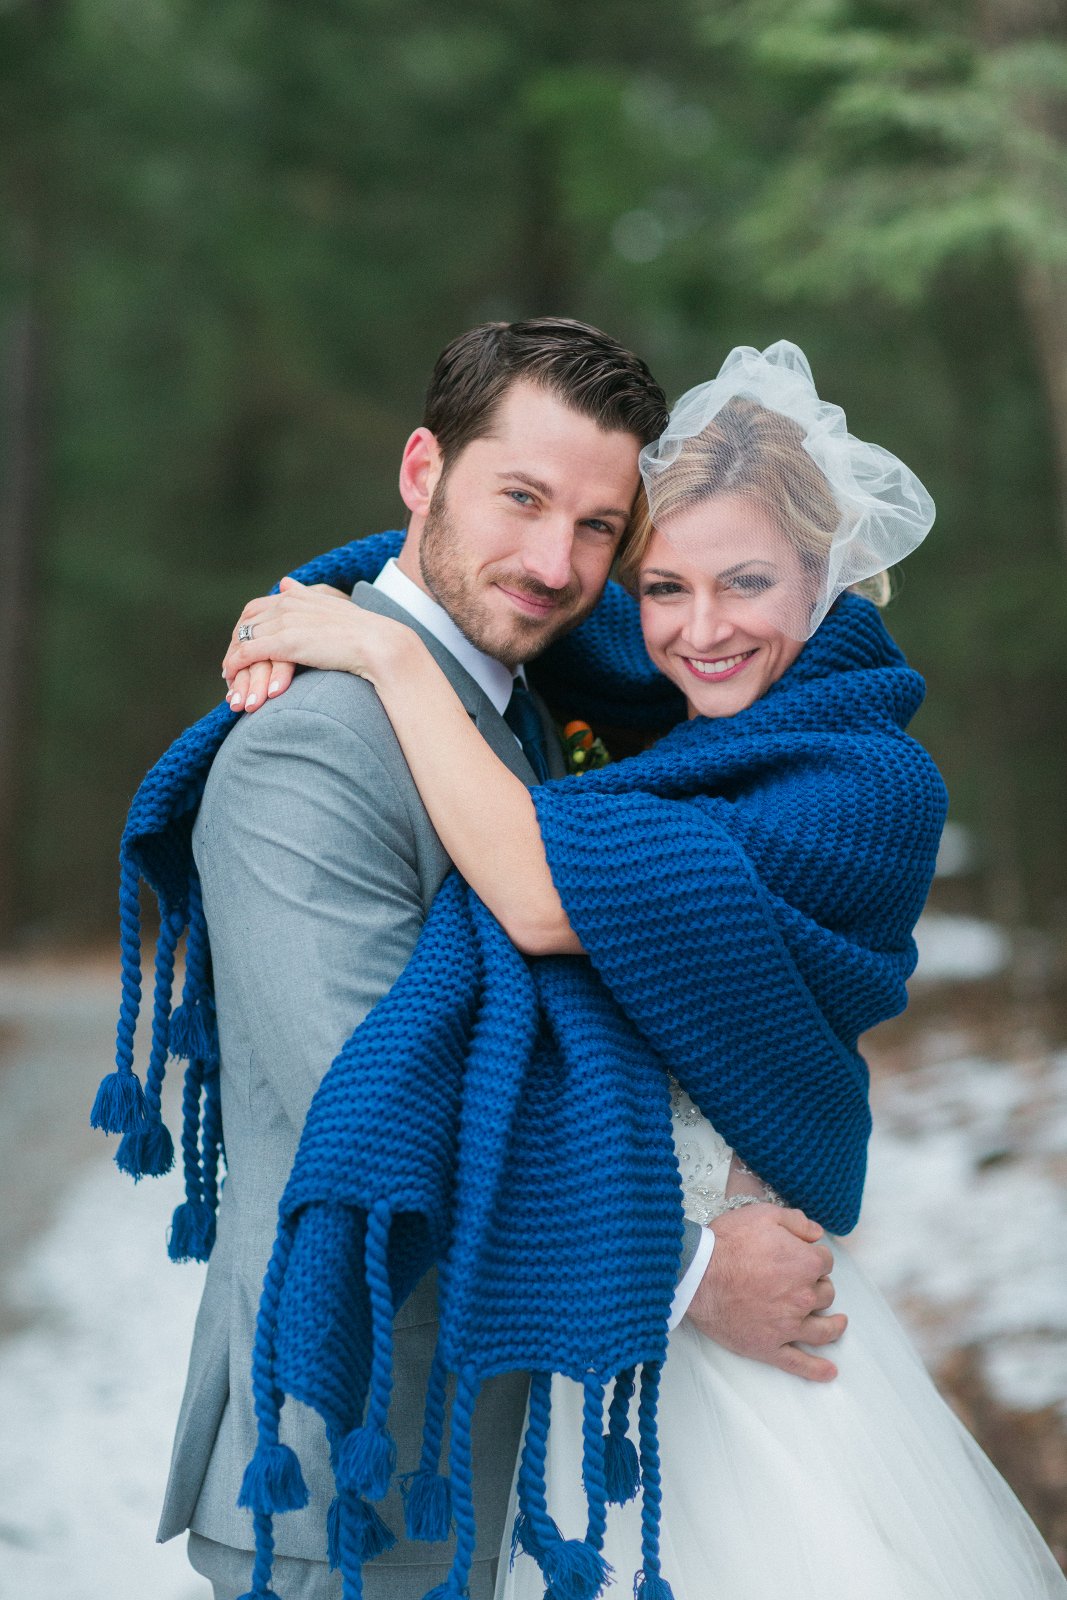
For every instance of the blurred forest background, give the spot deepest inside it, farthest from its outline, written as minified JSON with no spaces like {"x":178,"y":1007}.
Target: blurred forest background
{"x":233,"y":239}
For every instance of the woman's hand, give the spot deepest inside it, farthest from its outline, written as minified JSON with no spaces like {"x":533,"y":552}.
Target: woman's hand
{"x":311,"y":627}
{"x":263,"y":681}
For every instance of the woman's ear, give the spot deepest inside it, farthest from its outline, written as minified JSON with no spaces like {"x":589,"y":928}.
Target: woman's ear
{"x":420,"y":471}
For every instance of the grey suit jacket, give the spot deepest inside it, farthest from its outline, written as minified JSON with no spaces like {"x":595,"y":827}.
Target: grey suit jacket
{"x":318,"y":864}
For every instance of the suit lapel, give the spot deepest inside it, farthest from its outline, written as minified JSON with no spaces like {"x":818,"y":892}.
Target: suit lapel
{"x":490,"y":724}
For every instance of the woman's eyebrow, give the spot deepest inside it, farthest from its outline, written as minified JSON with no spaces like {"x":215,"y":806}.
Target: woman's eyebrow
{"x":662,"y":572}
{"x":741,"y":566}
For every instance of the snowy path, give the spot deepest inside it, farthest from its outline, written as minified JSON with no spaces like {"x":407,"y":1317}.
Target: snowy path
{"x":964,"y":1227}
{"x":91,"y":1376}
{"x":965,"y":1218}
{"x":89,"y":1393}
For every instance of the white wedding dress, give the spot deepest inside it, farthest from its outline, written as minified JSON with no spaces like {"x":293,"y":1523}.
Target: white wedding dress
{"x":865,"y":1488}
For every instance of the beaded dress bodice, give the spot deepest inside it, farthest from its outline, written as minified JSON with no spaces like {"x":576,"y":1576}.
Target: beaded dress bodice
{"x":703,"y":1156}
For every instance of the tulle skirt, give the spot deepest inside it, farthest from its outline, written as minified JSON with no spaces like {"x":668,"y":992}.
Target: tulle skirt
{"x":866,"y":1488}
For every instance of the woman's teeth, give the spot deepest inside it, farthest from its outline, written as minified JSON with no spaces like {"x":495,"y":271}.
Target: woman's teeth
{"x":711,"y":669}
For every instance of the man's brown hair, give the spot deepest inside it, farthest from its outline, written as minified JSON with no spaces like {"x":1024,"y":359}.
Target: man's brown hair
{"x":589,"y":372}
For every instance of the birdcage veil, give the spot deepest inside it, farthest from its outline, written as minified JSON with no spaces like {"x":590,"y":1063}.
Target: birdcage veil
{"x":804,"y":510}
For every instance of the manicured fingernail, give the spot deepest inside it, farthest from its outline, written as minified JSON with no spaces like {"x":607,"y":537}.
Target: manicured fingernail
{"x":252,"y":700}
{"x":272,"y":688}
{"x":235,"y":702}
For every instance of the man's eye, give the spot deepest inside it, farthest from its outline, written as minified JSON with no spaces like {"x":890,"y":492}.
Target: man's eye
{"x":520,"y":497}
{"x":598,"y":526}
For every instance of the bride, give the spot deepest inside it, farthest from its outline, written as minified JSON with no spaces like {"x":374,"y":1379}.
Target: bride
{"x":765,"y":536}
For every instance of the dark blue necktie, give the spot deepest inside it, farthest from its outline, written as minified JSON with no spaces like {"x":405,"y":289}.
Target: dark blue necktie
{"x":522,"y":717}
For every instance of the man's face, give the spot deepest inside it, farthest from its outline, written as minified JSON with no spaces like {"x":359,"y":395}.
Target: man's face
{"x":520,"y":534}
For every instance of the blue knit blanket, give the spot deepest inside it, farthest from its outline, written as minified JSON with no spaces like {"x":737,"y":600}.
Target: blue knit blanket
{"x":746,"y":891}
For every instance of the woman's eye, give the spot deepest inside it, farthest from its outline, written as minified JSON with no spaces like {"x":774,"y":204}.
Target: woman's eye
{"x":752,"y":583}
{"x":658,"y":590}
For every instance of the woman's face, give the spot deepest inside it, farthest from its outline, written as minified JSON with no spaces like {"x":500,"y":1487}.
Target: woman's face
{"x":714,"y":591}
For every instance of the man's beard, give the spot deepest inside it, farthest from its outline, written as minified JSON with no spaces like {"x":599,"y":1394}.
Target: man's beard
{"x":511,"y":640}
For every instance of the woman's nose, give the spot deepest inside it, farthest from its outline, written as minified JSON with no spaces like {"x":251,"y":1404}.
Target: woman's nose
{"x":709,"y":627}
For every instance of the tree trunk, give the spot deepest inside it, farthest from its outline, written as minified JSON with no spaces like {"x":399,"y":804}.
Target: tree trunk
{"x":545,"y":275}
{"x":21,"y":509}
{"x":23,"y":450}
{"x":1044,"y":299}
{"x":1043,"y":280}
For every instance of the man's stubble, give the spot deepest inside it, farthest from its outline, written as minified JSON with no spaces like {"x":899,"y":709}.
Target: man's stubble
{"x":511,"y":642}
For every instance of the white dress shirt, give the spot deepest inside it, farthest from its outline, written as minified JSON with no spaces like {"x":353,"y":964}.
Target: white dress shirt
{"x":496,"y":682}
{"x":494,"y":679}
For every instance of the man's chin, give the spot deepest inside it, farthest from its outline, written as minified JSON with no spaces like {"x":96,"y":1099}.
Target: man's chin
{"x":524,"y":638}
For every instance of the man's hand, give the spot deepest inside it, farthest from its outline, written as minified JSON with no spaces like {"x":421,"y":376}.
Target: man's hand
{"x":766,"y":1285}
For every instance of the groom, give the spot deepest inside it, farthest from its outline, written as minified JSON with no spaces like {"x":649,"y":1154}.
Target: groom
{"x":318,"y":865}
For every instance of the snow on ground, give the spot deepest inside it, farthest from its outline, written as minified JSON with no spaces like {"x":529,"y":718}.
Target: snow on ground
{"x":964,"y":1227}
{"x":956,"y":947}
{"x":89,"y":1393}
{"x":965,"y":1216}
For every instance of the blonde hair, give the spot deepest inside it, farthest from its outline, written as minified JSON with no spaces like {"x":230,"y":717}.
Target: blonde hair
{"x":746,"y":449}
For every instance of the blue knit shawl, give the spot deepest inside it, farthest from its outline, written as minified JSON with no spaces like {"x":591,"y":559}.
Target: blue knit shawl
{"x":746,"y":891}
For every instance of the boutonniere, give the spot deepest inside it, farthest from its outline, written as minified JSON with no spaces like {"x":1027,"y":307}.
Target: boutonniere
{"x":582,"y":750}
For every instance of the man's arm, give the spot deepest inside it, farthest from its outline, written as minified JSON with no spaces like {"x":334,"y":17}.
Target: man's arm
{"x":697,"y":1246}
{"x":482,"y":811}
{"x":312,"y":891}
{"x":766,"y":1289}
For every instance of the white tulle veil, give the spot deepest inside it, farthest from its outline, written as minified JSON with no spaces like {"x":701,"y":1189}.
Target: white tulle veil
{"x":805,"y":510}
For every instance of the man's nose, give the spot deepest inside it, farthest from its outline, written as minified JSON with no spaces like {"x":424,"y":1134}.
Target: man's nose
{"x":548,"y":552}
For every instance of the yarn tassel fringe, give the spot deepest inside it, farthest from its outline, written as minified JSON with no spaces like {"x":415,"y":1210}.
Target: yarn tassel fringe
{"x":119,"y":1106}
{"x":652,"y":1586}
{"x":455,"y":1586}
{"x":192,"y":1232}
{"x":366,"y":1459}
{"x":273,"y":1481}
{"x":355,"y":1528}
{"x":366,"y":1462}
{"x":428,"y":1507}
{"x":427,"y":1492}
{"x":622,"y":1470}
{"x":194,"y":1031}
{"x":573,"y":1569}
{"x":147,"y":1152}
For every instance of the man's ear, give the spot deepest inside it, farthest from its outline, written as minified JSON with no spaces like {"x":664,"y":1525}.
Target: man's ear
{"x":420,"y":471}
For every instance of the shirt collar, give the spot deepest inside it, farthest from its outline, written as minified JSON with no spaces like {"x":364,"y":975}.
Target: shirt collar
{"x":495,"y":680}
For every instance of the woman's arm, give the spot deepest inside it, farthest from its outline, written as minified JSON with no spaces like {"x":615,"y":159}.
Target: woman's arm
{"x":483,"y":814}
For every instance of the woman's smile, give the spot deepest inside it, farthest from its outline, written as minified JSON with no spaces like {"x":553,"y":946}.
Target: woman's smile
{"x":718,"y":666}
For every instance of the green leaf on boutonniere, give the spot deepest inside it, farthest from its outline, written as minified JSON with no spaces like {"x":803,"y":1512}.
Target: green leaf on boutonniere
{"x":582,"y":750}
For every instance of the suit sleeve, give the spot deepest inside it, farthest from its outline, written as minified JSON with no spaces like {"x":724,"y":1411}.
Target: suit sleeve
{"x":308,"y":862}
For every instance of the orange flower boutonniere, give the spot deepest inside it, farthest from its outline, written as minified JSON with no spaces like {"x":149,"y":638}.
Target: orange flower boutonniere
{"x":582,"y":749}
